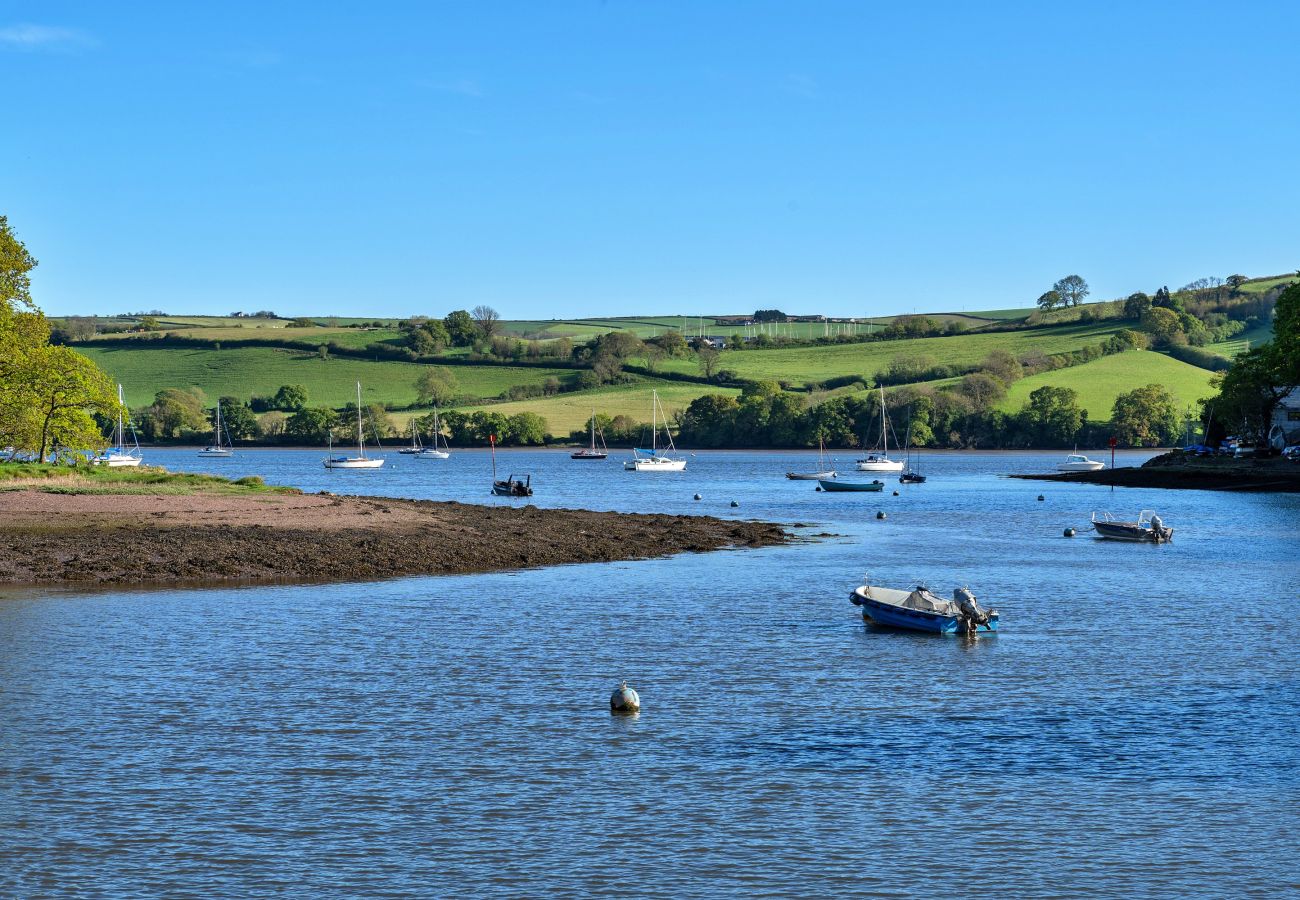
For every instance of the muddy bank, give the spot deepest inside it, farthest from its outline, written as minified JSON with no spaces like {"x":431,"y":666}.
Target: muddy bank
{"x":146,"y":539}
{"x":1174,"y":470}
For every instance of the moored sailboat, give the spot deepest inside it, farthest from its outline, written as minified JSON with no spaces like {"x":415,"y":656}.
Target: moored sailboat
{"x":878,"y":460}
{"x":911,"y":474}
{"x":118,"y":456}
{"x":216,"y":448}
{"x":652,"y":460}
{"x":590,"y":452}
{"x":360,"y":461}
{"x":436,"y":451}
{"x":823,"y":472}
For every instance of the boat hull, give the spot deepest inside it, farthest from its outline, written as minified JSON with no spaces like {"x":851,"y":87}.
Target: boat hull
{"x":1129,"y":531}
{"x":432,"y":454}
{"x":851,"y":487}
{"x":216,"y":453}
{"x":911,"y":478}
{"x":891,"y":615}
{"x":655,"y":465}
{"x":588,"y":454}
{"x":1093,"y":466}
{"x":353,"y":463}
{"x":879,"y":465}
{"x":810,"y":476}
{"x":117,"y":460}
{"x":410,"y":451}
{"x":511,"y":489}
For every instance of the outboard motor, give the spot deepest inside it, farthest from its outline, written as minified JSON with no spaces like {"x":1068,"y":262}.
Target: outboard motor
{"x":971,"y":614}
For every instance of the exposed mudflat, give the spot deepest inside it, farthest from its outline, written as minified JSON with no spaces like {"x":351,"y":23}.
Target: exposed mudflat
{"x":160,"y":539}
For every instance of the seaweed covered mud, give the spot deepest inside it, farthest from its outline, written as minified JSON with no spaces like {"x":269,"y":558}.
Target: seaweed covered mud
{"x":195,"y":528}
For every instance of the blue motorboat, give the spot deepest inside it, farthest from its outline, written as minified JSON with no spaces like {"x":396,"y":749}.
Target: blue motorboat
{"x":920,"y":610}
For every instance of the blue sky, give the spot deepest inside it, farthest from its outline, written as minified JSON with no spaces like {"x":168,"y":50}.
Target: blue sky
{"x":622,"y":158}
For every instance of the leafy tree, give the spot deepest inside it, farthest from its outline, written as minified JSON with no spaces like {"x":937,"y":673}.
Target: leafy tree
{"x":237,"y":418}
{"x":428,"y":337}
{"x":1162,"y":324}
{"x":709,"y":360}
{"x":770,"y":315}
{"x":671,"y":342}
{"x":1145,"y":417}
{"x":1236,"y":281}
{"x":710,"y":421}
{"x":526,"y":429}
{"x":66,"y":387}
{"x":1163,"y":298}
{"x":290,"y":398}
{"x":1072,"y":289}
{"x":174,"y":413}
{"x":271,"y":425}
{"x":1049,"y":300}
{"x":487,"y":319}
{"x":1003,"y":366}
{"x":436,"y":386}
{"x":1052,"y":416}
{"x":982,"y":389}
{"x":1136,"y":305}
{"x":311,"y":424}
{"x":461,"y":328}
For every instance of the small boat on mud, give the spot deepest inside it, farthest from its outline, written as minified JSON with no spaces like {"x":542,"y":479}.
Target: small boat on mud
{"x":1148,"y":529}
{"x":921,"y":610}
{"x":841,"y":487}
{"x":513,"y":485}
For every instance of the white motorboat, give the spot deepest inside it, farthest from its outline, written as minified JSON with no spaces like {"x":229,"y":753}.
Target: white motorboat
{"x":360,"y":461}
{"x":216,"y":448}
{"x":118,"y":456}
{"x":1077,"y":462}
{"x":878,"y":460}
{"x":434,"y":452}
{"x":652,"y":460}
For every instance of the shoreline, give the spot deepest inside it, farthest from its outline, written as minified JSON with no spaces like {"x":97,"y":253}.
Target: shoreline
{"x":154,"y":539}
{"x":1172,"y":472}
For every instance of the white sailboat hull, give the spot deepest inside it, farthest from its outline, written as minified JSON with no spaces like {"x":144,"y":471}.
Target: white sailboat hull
{"x":117,"y":460}
{"x":213,"y":451}
{"x":810,"y":476}
{"x":879,"y":464}
{"x":433,"y":454}
{"x":353,"y":463}
{"x":655,"y":464}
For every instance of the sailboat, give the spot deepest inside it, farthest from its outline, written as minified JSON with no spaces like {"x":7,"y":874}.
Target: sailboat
{"x":879,"y":461}
{"x":911,"y":475}
{"x":434,"y":452}
{"x":216,"y":448}
{"x":118,"y":456}
{"x":416,"y":446}
{"x":360,"y":461}
{"x":823,"y":471}
{"x":651,"y":460}
{"x":591,"y":452}
{"x":512,"y":486}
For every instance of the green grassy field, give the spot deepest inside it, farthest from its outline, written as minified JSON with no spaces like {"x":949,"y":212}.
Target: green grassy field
{"x":568,"y":412}
{"x":1099,"y":382}
{"x":801,"y":364}
{"x":261,"y":370}
{"x":1260,"y":285}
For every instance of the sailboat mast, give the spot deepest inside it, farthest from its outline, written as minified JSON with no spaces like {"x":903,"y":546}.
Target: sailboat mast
{"x":654,"y":422}
{"x":361,"y":435}
{"x":884,"y":435}
{"x":121,"y":429}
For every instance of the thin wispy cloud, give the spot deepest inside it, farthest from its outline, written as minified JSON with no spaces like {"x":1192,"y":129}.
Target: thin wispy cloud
{"x":464,"y":87}
{"x":27,"y":36}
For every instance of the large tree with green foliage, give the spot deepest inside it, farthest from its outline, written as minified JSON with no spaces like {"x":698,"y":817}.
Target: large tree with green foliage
{"x":1145,"y":417}
{"x":1072,"y":289}
{"x":1052,"y":416}
{"x":436,"y":386}
{"x":461,"y":328}
{"x":47,"y":393}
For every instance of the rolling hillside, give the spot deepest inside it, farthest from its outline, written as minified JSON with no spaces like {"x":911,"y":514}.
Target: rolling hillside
{"x":1099,"y":382}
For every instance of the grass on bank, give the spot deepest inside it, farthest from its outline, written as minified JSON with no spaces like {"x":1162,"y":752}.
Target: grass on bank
{"x":1100,"y":381}
{"x":84,"y":478}
{"x":247,"y":371}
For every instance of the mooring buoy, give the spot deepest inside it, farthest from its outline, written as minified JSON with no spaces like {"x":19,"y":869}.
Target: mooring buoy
{"x":1069,"y":532}
{"x":699,"y":497}
{"x":818,"y":489}
{"x":1041,"y":497}
{"x":735,"y":503}
{"x":895,"y":493}
{"x":624,"y":700}
{"x":881,"y":515}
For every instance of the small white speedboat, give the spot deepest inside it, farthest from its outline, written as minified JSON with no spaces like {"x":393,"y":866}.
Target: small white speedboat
{"x":1077,"y":462}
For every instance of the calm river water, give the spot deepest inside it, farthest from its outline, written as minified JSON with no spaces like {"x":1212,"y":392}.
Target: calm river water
{"x":1133,"y":731}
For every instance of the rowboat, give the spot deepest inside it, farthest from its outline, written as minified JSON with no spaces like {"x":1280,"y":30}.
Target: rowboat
{"x":920,"y":610}
{"x":1149,"y":528}
{"x":851,"y":486}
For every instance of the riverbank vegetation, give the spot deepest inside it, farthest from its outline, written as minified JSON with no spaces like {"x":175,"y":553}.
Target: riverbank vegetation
{"x":51,"y":478}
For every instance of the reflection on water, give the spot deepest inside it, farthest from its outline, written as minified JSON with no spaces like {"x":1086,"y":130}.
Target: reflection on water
{"x":1131,"y":731}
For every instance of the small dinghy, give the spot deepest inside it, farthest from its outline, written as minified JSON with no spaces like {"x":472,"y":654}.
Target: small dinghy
{"x":920,"y":610}
{"x":1149,"y":528}
{"x":850,"y":486}
{"x":514,"y":487}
